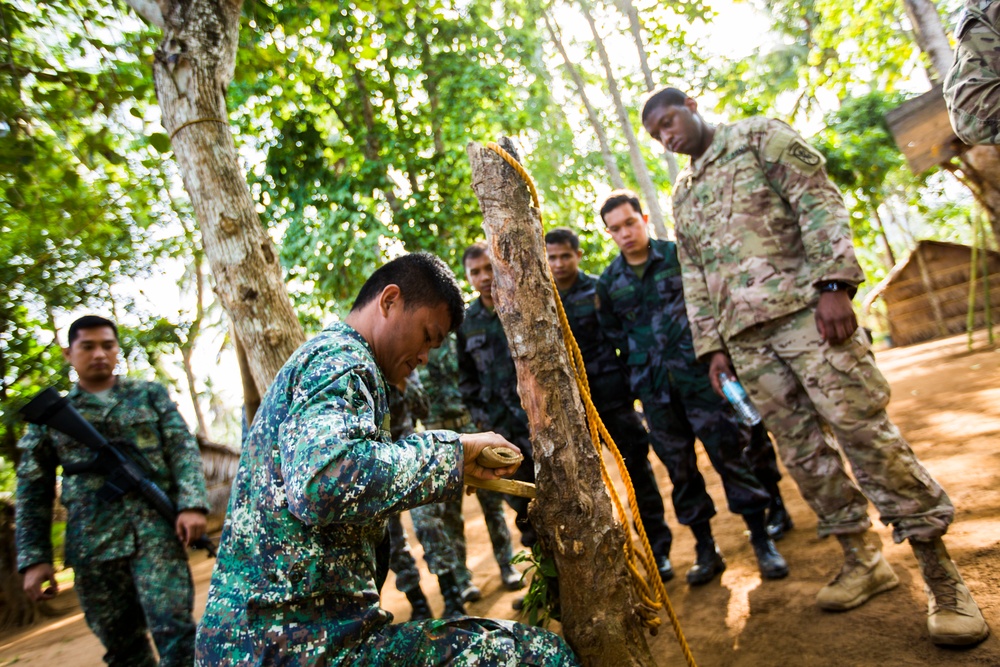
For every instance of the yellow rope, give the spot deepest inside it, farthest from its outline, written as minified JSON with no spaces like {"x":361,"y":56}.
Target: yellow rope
{"x":651,"y":601}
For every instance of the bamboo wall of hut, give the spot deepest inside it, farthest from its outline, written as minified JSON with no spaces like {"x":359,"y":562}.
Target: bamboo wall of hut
{"x":927,"y":296}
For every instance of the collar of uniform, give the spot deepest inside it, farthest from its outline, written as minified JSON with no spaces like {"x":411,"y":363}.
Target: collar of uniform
{"x":715,"y":149}
{"x":80,"y":396}
{"x":342,"y":329}
{"x":578,"y":284}
{"x":478,"y":309}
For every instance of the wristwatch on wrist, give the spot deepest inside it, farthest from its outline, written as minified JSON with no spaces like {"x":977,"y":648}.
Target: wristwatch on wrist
{"x":832,"y":286}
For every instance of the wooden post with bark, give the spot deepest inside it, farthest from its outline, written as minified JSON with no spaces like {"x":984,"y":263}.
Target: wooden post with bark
{"x":192,"y":69}
{"x":572,"y":513}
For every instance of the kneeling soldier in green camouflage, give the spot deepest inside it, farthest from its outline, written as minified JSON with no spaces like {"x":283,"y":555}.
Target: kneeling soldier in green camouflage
{"x":304,"y":548}
{"x":130,"y":568}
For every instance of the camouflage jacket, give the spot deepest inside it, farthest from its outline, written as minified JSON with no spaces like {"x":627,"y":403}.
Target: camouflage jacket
{"x":646,"y":320}
{"x":487,"y":376}
{"x":295,"y":581}
{"x":971,"y":88}
{"x":758,"y":225}
{"x":605,"y":371}
{"x":440,"y":381}
{"x":405,"y":407}
{"x":96,"y":530}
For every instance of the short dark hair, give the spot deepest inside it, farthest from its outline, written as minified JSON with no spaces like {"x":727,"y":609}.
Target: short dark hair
{"x":665,"y":97}
{"x":616,"y":199}
{"x":90,"y":322}
{"x":563,"y":235}
{"x":477,"y":249}
{"x":423,"y":280}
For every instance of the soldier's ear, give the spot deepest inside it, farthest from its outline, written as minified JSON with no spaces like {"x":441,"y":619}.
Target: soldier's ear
{"x":65,"y":353}
{"x":691,"y":104}
{"x":390,"y":297}
{"x":645,"y":216}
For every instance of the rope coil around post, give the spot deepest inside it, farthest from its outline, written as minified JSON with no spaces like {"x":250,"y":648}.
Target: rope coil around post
{"x":652,"y":598}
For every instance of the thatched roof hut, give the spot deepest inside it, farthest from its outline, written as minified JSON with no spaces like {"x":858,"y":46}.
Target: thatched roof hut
{"x":927,"y":295}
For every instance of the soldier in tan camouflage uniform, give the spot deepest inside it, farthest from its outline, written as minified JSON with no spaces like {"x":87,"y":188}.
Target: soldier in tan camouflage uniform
{"x":130,"y":567}
{"x":972,"y":85}
{"x":769,"y":270}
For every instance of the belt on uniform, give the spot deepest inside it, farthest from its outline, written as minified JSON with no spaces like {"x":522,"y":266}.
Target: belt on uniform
{"x":450,"y":424}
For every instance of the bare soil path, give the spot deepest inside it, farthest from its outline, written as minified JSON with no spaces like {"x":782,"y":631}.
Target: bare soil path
{"x":946,"y":400}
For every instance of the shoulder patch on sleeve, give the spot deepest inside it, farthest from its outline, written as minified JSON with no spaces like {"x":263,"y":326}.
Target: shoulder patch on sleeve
{"x":786,"y":147}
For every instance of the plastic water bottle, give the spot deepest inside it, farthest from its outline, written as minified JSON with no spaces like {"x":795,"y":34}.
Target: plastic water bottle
{"x":738,"y":398}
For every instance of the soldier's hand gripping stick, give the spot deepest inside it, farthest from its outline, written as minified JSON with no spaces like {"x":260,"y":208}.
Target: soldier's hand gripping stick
{"x":501,"y":457}
{"x":122,"y":474}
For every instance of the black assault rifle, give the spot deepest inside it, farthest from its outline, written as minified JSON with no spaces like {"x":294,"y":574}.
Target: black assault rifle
{"x":122,"y":474}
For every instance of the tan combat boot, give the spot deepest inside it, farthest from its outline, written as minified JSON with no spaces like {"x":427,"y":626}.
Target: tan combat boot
{"x":953,"y":618}
{"x":865,"y":573}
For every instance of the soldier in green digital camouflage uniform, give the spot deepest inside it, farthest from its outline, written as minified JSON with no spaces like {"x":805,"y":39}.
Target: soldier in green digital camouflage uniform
{"x":446,"y":410}
{"x":769,"y":270}
{"x":641,"y":311}
{"x":488,"y":378}
{"x":129,"y":563}
{"x":972,"y":85}
{"x":303,"y":552}
{"x":440,"y":551}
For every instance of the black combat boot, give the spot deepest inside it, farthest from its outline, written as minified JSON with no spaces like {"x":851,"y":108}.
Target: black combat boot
{"x":421,"y":610}
{"x":778,"y":520}
{"x":708,"y":561}
{"x":770,"y":562}
{"x":511,"y":578}
{"x":452,"y":594}
{"x":664,"y":567}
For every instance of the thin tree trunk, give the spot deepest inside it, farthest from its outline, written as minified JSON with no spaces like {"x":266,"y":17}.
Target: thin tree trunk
{"x":192,"y":69}
{"x":251,"y":393}
{"x":635,"y":25}
{"x":573,"y":513}
{"x":610,"y":164}
{"x":187,"y":348}
{"x":635,"y":153}
{"x":890,"y":256}
{"x":981,"y":164}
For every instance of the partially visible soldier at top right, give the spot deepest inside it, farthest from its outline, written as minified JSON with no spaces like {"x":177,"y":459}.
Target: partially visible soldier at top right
{"x":972,"y":85}
{"x":769,"y":271}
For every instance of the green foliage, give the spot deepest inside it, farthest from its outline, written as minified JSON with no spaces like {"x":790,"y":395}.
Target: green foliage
{"x":85,"y":195}
{"x":541,"y":602}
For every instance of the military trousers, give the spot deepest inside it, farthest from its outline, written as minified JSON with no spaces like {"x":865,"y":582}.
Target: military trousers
{"x":761,"y":456}
{"x":625,"y":427}
{"x":459,"y":642}
{"x":679,"y":413}
{"x":799,"y":383}
{"x":491,"y":503}
{"x":122,"y":599}
{"x":401,"y":561}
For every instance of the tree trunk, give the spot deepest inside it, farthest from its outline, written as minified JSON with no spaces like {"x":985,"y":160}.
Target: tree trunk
{"x":595,"y":122}
{"x":192,"y":69}
{"x":573,"y":513}
{"x":890,"y":256}
{"x":635,"y":25}
{"x":635,"y":154}
{"x":16,"y":608}
{"x":251,"y":392}
{"x":981,"y":164}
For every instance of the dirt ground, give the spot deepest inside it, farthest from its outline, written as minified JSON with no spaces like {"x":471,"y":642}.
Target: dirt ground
{"x":946,"y":400}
